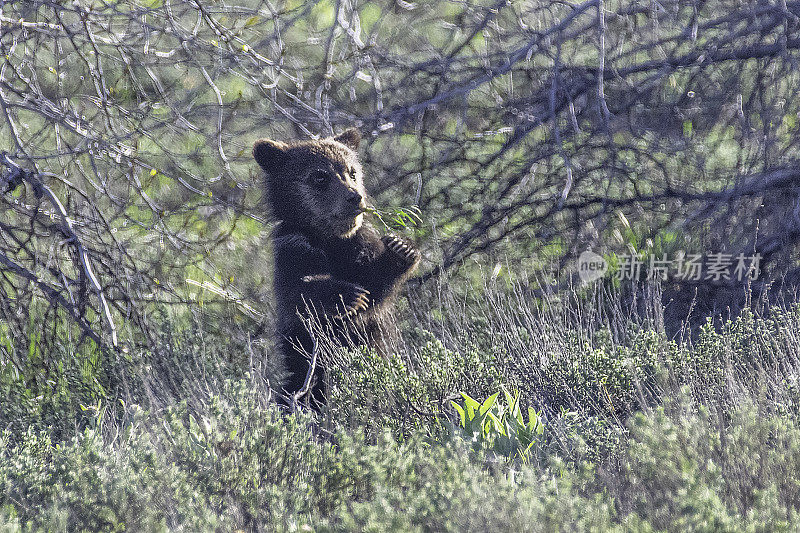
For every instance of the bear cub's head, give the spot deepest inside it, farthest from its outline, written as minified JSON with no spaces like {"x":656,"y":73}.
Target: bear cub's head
{"x":316,"y":185}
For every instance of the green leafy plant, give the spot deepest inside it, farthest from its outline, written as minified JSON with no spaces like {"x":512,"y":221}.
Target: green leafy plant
{"x":398,"y":217}
{"x":500,"y":427}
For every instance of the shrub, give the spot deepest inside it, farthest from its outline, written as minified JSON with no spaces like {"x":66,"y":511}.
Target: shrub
{"x":687,"y":467}
{"x":407,"y":393}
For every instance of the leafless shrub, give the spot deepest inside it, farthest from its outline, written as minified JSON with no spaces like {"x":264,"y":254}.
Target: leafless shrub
{"x":528,"y":128}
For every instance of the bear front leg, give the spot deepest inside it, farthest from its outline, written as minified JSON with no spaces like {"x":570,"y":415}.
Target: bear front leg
{"x":340,"y":300}
{"x":395,"y":262}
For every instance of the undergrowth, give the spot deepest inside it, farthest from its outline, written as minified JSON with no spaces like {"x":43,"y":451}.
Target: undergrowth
{"x":498,"y":415}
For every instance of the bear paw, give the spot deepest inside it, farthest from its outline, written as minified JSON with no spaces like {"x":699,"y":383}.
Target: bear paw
{"x":401,"y":249}
{"x":352,"y":302}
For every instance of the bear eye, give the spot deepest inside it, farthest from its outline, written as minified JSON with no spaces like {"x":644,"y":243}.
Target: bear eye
{"x":320,"y":178}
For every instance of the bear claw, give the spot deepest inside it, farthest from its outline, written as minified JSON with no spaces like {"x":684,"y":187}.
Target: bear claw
{"x":353,"y":303}
{"x":400,"y":248}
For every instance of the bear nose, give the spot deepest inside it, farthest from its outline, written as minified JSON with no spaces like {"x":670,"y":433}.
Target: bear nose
{"x":354,"y":197}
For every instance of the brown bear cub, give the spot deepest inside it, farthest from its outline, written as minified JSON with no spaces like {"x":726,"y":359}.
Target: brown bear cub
{"x":328,"y":260}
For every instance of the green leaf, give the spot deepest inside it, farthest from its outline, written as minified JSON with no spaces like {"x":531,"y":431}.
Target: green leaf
{"x":498,"y":425}
{"x":488,"y":403}
{"x":470,"y":404}
{"x":534,"y":424}
{"x":509,"y":398}
{"x":461,"y":413}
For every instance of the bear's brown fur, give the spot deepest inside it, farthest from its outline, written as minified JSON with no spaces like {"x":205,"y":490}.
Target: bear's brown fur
{"x":328,"y":259}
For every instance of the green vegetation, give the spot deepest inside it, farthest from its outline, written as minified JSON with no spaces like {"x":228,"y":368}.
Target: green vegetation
{"x":498,"y":427}
{"x":605,"y":431}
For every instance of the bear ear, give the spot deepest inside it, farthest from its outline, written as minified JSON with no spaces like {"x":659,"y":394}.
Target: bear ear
{"x":350,"y":138}
{"x":269,"y":153}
